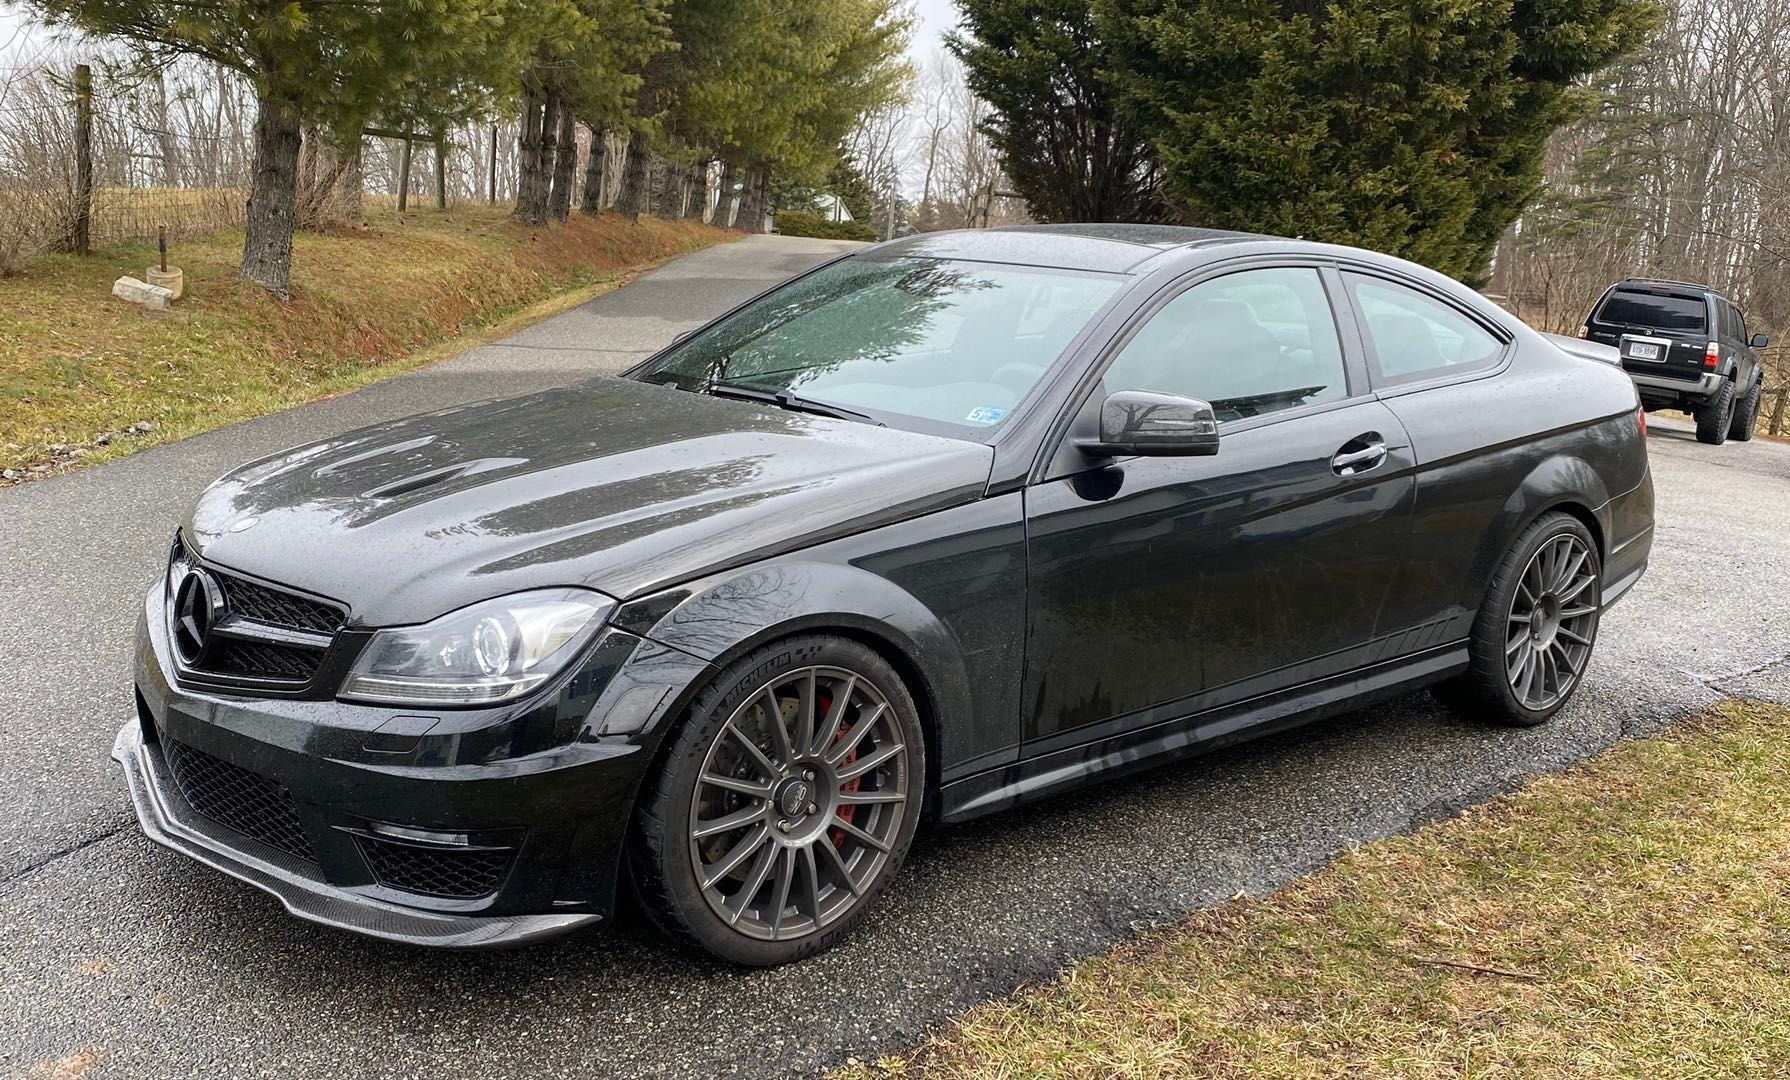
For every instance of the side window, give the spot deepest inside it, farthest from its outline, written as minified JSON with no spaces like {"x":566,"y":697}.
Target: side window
{"x":1252,"y":342}
{"x":1411,"y":336}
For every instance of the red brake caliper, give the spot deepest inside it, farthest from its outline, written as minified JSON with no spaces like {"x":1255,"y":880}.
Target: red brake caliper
{"x":846,"y":813}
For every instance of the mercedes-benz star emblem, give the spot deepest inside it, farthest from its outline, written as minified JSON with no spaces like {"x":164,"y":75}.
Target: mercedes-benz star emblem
{"x":197,"y":604}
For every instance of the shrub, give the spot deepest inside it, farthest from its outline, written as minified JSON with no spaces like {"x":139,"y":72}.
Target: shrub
{"x":797,"y":223}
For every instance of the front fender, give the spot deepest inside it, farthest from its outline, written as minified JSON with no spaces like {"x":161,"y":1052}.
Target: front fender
{"x":722,"y":617}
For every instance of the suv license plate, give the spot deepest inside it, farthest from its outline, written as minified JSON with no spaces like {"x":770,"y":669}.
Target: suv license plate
{"x":1642,"y":351}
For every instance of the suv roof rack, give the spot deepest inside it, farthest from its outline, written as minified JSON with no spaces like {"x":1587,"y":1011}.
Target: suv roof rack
{"x":1668,"y":281}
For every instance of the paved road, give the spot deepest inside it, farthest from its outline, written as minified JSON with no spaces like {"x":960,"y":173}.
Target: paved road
{"x":117,"y":955}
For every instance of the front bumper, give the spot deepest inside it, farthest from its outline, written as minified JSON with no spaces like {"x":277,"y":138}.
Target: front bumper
{"x":350,"y":814}
{"x":168,"y":821}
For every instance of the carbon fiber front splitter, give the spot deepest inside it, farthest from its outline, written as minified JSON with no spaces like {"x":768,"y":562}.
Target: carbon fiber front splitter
{"x":168,"y":821}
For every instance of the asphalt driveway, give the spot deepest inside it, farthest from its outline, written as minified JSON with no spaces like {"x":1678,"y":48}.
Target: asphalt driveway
{"x":126,"y":960}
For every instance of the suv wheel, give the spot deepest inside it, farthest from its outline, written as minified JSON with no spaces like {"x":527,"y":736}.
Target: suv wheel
{"x":1714,"y":416}
{"x":1746,"y":414}
{"x":785,"y":803}
{"x":1535,"y":631}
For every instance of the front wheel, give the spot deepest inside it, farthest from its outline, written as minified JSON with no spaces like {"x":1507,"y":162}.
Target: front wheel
{"x":786,"y":802}
{"x":1535,"y":630}
{"x":1746,"y":414}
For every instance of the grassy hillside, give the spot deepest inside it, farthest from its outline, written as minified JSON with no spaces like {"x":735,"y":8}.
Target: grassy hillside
{"x":79,"y":369}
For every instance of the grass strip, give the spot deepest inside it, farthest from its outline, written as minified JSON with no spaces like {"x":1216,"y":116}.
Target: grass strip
{"x":1625,"y":918}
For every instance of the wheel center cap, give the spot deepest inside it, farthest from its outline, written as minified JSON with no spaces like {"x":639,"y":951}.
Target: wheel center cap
{"x":794,"y":797}
{"x":1545,"y":622}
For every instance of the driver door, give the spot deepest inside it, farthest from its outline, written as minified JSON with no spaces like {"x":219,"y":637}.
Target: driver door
{"x":1164,"y":586}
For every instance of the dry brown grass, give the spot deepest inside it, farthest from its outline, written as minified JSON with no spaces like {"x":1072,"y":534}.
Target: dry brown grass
{"x":1626,"y":918}
{"x":76,"y":363}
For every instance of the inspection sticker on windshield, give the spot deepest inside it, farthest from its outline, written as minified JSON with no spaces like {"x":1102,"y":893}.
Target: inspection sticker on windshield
{"x":986,"y":414}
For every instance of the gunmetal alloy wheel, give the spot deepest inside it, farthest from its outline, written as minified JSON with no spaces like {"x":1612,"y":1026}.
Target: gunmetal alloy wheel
{"x":1533,"y":635}
{"x":799,"y":803}
{"x":1552,"y":622}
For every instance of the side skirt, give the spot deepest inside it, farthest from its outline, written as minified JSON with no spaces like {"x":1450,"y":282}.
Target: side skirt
{"x":1197,"y":733}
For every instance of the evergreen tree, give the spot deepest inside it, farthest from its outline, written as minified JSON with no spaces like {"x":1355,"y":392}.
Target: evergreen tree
{"x":1070,"y":143}
{"x":1414,"y":127}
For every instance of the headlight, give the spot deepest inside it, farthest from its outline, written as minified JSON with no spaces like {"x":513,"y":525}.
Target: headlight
{"x":489,"y":652}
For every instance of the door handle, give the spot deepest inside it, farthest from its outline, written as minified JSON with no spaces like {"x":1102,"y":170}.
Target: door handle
{"x":1358,"y":455}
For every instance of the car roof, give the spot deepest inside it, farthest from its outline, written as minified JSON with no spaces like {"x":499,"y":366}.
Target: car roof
{"x":1109,"y":247}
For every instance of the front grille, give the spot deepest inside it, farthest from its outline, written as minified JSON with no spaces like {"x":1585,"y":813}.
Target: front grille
{"x":276,"y":608}
{"x":263,"y":660}
{"x":238,"y":799}
{"x":434,"y":871}
{"x":264,"y":634}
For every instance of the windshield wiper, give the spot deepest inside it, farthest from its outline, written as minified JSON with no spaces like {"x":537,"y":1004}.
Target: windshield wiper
{"x":784,"y":399}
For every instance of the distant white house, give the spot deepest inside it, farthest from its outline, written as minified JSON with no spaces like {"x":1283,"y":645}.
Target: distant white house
{"x":831,"y":208}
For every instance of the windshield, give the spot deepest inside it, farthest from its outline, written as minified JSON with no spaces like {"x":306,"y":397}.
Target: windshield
{"x":930,"y":345}
{"x":1659,"y":311}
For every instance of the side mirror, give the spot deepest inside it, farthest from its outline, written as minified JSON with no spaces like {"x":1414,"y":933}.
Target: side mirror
{"x":1760,"y":341}
{"x":1162,"y":425}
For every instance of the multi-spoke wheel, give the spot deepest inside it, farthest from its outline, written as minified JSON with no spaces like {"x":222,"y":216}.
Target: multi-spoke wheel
{"x":787,"y":800}
{"x":1551,"y":622}
{"x":1535,"y":631}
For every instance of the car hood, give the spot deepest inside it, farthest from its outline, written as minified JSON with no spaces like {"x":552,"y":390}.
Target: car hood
{"x":613,"y":485}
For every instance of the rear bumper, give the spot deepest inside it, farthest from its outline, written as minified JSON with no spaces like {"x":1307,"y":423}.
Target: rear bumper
{"x":169,"y":821}
{"x":1701,"y":386}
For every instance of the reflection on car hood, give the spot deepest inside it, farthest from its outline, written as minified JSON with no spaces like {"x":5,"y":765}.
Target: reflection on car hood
{"x":612,"y":484}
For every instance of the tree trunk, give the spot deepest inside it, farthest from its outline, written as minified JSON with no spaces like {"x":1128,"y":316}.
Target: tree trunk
{"x":591,"y":200}
{"x":636,"y":178}
{"x":666,"y":201}
{"x":528,"y":149}
{"x":350,"y":185}
{"x":273,"y":193}
{"x":724,"y":204}
{"x":742,"y":214}
{"x":536,"y":161}
{"x":565,"y":166}
{"x":696,"y":185}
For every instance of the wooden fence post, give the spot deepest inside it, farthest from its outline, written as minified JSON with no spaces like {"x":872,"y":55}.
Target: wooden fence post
{"x":81,"y":229}
{"x":491,"y":199}
{"x":404,"y":175}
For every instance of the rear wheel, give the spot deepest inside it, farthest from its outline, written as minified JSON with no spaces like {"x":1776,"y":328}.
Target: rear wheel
{"x":1714,"y":417}
{"x":1746,"y":414}
{"x":1535,"y":631}
{"x":785,"y":804}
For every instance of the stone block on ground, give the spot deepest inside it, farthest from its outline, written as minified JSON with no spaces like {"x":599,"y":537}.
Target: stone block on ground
{"x":150,"y":296}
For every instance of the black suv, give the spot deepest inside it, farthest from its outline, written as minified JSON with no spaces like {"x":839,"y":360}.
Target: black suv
{"x":1686,"y":347}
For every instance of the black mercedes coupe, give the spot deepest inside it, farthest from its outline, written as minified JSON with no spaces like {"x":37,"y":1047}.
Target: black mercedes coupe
{"x":938,"y":527}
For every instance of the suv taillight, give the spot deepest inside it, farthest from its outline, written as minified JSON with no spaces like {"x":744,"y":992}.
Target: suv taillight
{"x":1712,"y":355}
{"x":1641,"y":419}
{"x":1584,"y":330}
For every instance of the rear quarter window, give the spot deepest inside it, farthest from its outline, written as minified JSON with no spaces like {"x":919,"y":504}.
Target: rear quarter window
{"x":1658,"y":311}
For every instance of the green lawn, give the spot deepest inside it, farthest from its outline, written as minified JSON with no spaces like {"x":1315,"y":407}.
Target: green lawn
{"x":76,"y":364}
{"x":1630,"y":917}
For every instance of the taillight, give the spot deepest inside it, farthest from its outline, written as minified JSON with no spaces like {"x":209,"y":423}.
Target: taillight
{"x":1641,"y":419}
{"x":1712,"y":354}
{"x":1584,"y":331}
